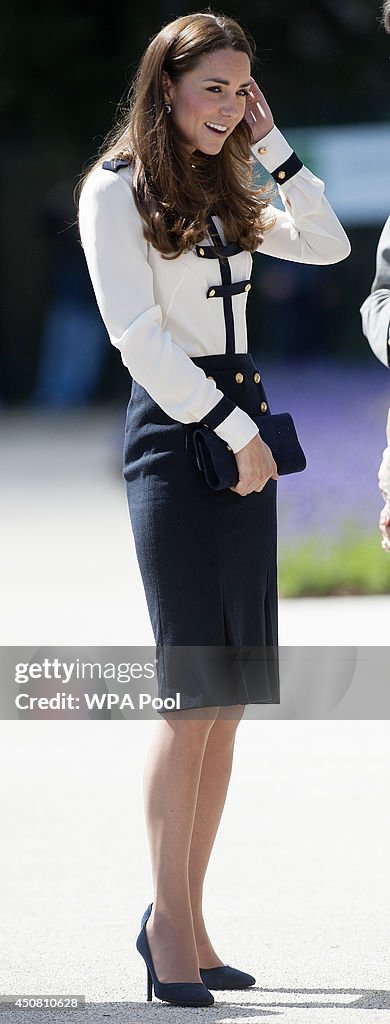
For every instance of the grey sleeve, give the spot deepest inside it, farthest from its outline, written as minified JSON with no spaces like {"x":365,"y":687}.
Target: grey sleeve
{"x":375,"y":311}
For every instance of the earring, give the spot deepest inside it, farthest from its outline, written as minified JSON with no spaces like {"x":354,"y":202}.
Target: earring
{"x":168,"y":108}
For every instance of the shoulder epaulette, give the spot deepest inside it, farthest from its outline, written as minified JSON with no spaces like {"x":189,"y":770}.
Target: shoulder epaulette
{"x":115,"y":164}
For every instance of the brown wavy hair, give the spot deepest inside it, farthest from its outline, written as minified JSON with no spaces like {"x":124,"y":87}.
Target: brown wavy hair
{"x":175,"y":192}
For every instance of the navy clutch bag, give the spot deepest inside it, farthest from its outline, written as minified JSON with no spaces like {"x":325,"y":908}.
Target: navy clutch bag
{"x":217,"y":460}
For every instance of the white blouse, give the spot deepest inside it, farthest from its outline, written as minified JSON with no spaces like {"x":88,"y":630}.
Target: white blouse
{"x":158,"y":312}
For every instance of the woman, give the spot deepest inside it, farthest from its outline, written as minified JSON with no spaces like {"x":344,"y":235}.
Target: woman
{"x":169,"y":216}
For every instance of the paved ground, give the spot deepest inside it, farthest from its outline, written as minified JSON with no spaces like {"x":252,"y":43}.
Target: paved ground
{"x":297,"y":890}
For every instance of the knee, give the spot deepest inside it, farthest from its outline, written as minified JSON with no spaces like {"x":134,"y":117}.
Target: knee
{"x":192,"y":726}
{"x":227,"y":720}
{"x":232,"y":714}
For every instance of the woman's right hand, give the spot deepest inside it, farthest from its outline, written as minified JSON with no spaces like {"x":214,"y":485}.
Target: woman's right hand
{"x":256,"y":465}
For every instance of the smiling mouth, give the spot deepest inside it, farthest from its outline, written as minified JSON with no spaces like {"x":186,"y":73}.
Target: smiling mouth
{"x":217,"y":129}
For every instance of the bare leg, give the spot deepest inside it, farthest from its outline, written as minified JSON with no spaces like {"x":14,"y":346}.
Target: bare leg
{"x":213,"y":786}
{"x":171,"y":779}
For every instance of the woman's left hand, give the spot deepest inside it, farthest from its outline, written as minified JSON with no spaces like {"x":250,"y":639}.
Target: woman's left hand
{"x":257,"y":113}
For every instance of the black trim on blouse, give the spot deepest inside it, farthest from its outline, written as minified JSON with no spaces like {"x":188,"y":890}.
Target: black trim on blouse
{"x":220,"y":290}
{"x":287,"y":170}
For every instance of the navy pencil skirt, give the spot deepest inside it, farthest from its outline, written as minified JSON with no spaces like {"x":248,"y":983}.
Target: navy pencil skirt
{"x":208,"y":559}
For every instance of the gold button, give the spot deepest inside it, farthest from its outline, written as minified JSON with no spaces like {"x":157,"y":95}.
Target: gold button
{"x":263,"y":406}
{"x":211,"y":378}
{"x":263,"y":149}
{"x":239,"y":378}
{"x":281,"y":174}
{"x":201,"y":252}
{"x":229,"y":448}
{"x":247,"y":288}
{"x":256,"y":378}
{"x":211,"y":293}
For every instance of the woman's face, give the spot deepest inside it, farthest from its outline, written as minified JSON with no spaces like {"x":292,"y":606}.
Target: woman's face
{"x":198,"y":99}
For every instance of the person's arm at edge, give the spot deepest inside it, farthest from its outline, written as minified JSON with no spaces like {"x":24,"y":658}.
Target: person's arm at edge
{"x":375,"y":310}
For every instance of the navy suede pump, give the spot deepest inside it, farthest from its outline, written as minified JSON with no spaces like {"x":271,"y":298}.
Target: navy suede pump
{"x":184,"y":993}
{"x":225,"y":977}
{"x":218,"y":978}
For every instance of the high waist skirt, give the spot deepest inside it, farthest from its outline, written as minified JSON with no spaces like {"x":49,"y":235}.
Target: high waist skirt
{"x":208,"y":559}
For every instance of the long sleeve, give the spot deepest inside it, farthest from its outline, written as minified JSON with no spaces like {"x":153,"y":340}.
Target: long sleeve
{"x":307,"y":230}
{"x":375,"y":311}
{"x":115,"y":249}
